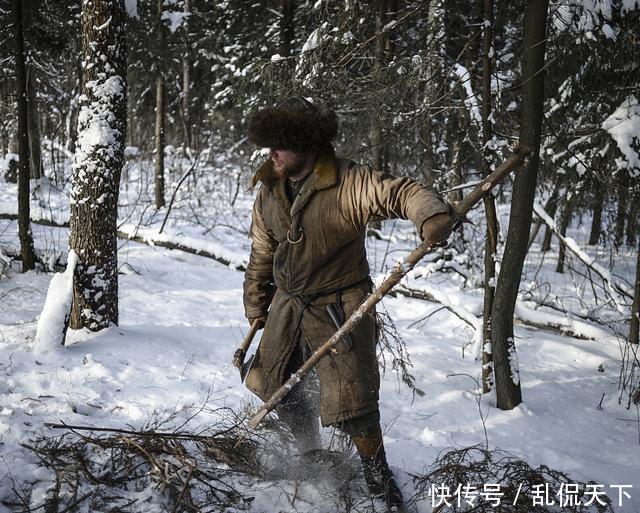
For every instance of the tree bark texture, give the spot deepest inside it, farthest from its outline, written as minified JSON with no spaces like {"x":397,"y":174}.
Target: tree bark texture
{"x":565,"y":220}
{"x":632,"y":221}
{"x":35,"y":152}
{"x":491,"y":242}
{"x":24,"y":228}
{"x":159,"y":142}
{"x":551,"y":207}
{"x":160,"y":108}
{"x":634,"y":327}
{"x":596,"y":222}
{"x":98,"y":164}
{"x":508,"y":391}
{"x":623,"y":198}
{"x":287,"y":27}
{"x":186,"y":80}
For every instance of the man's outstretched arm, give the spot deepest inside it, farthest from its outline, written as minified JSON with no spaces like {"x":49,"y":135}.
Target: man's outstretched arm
{"x":378,"y":195}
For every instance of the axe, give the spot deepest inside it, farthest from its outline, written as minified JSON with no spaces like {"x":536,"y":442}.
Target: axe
{"x":400,"y":270}
{"x":241,"y":352}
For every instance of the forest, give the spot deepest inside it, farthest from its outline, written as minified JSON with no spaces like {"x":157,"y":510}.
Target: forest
{"x":457,"y":276}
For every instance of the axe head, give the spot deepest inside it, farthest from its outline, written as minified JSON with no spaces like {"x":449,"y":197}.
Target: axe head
{"x":246,"y":367}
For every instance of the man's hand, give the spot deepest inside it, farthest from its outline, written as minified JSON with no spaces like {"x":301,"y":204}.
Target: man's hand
{"x":262,"y":322}
{"x":436,"y":229}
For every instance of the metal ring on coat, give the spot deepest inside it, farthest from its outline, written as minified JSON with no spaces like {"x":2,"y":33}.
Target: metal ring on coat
{"x":295,"y":241}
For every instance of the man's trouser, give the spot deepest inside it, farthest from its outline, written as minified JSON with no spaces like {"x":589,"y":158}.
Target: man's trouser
{"x":300,"y":409}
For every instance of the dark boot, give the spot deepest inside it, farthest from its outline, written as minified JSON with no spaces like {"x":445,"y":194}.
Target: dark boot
{"x":377,"y":473}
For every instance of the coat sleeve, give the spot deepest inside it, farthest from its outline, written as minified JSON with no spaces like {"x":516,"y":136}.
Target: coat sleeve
{"x":259,"y":287}
{"x":378,"y":195}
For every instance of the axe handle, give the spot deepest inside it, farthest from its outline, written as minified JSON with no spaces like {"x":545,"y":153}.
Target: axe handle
{"x":394,"y":277}
{"x":238,"y":358}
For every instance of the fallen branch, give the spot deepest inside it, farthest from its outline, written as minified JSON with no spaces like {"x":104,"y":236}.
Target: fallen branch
{"x":151,"y":238}
{"x":613,"y":288}
{"x":183,"y":243}
{"x":523,"y":314}
{"x":150,"y":433}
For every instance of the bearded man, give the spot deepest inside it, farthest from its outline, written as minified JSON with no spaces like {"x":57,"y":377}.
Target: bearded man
{"x":307,"y":259}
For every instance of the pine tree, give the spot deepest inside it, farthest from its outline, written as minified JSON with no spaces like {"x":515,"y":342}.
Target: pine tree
{"x":97,"y":165}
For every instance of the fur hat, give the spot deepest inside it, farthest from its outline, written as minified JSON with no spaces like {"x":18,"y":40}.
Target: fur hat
{"x":294,"y":124}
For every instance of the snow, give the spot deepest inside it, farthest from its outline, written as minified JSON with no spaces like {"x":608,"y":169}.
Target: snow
{"x":131,"y":6}
{"x":97,"y":138}
{"x":312,"y":41}
{"x":57,"y":306}
{"x":624,"y":126}
{"x":471,"y":101}
{"x":174,"y":19}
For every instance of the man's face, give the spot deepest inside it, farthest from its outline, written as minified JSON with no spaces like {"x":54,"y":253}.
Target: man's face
{"x":287,"y":163}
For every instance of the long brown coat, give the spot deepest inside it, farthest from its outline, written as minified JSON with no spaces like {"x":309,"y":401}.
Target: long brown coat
{"x":315,"y":247}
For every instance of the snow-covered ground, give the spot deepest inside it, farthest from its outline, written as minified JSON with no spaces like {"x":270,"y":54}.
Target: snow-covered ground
{"x":181,"y":320}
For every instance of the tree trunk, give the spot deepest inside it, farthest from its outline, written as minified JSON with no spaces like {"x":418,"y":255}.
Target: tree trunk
{"x":159,"y":143}
{"x":623,"y":195}
{"x":491,"y":242}
{"x":508,"y":391}
{"x":34,"y":126}
{"x":596,"y":222}
{"x":435,"y":19}
{"x":635,"y":307}
{"x":565,"y":220}
{"x":24,"y":228}
{"x":186,"y":80}
{"x":35,"y":153}
{"x":632,"y":222}
{"x":287,"y":27}
{"x":377,"y":128}
{"x":551,"y":207}
{"x":160,"y":114}
{"x":98,"y":164}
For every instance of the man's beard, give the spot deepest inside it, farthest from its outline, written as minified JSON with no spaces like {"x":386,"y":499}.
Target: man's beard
{"x":292,"y":169}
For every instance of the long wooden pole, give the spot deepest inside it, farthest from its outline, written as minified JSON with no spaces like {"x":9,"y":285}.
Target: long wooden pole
{"x":394,"y":277}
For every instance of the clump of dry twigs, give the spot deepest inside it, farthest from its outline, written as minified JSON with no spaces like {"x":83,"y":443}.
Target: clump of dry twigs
{"x":167,"y":467}
{"x":522,"y":488}
{"x":117,"y":470}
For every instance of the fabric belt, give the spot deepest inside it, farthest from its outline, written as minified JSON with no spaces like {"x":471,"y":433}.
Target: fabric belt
{"x":307,"y":300}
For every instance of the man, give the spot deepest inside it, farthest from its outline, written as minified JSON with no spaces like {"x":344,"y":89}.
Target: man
{"x":308,"y":257}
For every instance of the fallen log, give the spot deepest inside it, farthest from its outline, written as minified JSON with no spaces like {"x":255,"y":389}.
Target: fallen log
{"x":152,"y":238}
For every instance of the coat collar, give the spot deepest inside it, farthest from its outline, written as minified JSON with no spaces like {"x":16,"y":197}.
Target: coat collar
{"x":325,"y":172}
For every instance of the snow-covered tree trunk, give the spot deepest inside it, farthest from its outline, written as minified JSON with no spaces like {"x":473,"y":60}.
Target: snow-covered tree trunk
{"x":24,"y":227}
{"x":287,"y":27}
{"x":491,"y":242}
{"x":508,"y":391}
{"x":634,"y":327}
{"x":98,"y":164}
{"x":160,"y":108}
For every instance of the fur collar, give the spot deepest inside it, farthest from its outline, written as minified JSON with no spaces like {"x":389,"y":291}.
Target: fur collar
{"x":325,"y":171}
